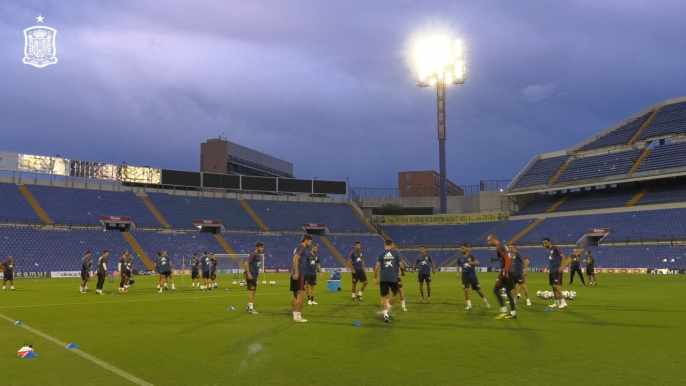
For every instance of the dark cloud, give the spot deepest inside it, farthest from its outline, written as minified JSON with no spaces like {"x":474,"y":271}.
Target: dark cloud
{"x":328,"y":85}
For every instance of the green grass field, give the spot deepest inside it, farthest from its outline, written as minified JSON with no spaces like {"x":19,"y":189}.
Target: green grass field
{"x":627,"y":331}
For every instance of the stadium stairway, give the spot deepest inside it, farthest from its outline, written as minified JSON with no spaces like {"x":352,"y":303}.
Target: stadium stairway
{"x":359,"y":215}
{"x":562,"y":170}
{"x":636,"y":198}
{"x":557,"y":204}
{"x":333,"y":250}
{"x":155,"y":212}
{"x":224,"y":244}
{"x":35,"y":205}
{"x":254,"y":215}
{"x":139,"y":251}
{"x":643,"y":127}
{"x":525,"y":230}
{"x":639,"y":161}
{"x":488,"y":233}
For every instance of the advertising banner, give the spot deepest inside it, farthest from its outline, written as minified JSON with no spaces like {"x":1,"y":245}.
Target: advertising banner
{"x":442,"y":218}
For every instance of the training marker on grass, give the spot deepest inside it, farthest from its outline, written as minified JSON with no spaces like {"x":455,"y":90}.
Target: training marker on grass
{"x":230,"y":308}
{"x":29,"y":355}
{"x":89,"y":357}
{"x":549,"y":310}
{"x":72,"y":345}
{"x":18,"y":323}
{"x":357,"y":324}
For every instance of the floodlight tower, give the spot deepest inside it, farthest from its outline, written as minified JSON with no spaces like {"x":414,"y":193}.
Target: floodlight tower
{"x":440,"y":63}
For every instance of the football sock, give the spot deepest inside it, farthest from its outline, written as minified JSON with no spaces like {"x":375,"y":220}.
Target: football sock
{"x":469,"y":303}
{"x":421,"y":293}
{"x":402,"y":302}
{"x":295,"y":315}
{"x":353,"y":295}
{"x":385,"y":314}
{"x":513,"y":313}
{"x":250,"y":306}
{"x":312,"y":298}
{"x":496,"y":291}
{"x":511,"y":299}
{"x":429,"y":294}
{"x":359,"y":293}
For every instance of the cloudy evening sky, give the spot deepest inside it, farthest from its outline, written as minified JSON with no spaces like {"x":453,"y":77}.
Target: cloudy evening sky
{"x":328,"y":85}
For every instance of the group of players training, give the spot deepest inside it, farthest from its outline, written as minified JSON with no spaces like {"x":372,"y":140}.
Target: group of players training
{"x":387,"y":274}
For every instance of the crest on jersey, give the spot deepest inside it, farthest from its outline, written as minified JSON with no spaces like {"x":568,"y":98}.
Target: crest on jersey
{"x":39,"y":46}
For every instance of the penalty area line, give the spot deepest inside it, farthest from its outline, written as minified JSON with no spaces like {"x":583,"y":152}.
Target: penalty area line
{"x":89,"y":357}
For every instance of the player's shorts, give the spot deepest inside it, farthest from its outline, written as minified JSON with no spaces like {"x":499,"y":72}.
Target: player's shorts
{"x":126,"y":273}
{"x":590,"y":271}
{"x":251,"y":284}
{"x":205,"y":274}
{"x":519,"y":279}
{"x":400,"y":283}
{"x":504,"y":282}
{"x":85,"y":275}
{"x":388,"y":286}
{"x":424,"y":277}
{"x":554,"y":278}
{"x":9,"y":276}
{"x":297,"y":285}
{"x":311,"y":280}
{"x":359,"y":275}
{"x":213,"y":275}
{"x":166,"y":273}
{"x":195,"y":275}
{"x":470,"y":281}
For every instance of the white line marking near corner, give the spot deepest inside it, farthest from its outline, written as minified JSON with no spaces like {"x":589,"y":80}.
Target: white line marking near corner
{"x":91,"y":358}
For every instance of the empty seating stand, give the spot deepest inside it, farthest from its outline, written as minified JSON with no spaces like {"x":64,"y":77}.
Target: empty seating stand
{"x":542,"y":171}
{"x":14,"y":207}
{"x":600,"y":165}
{"x":620,"y":136}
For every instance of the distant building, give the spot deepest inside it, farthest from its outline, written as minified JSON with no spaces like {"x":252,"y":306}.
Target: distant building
{"x":220,"y":156}
{"x":424,"y":184}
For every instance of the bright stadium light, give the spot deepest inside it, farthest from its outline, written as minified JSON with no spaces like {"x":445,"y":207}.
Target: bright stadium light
{"x":439,"y":62}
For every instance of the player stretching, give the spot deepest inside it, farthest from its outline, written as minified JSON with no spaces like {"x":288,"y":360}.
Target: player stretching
{"x":575,"y":266}
{"x":590,"y":268}
{"x":313,"y":266}
{"x":521,"y":267}
{"x":205,"y":268}
{"x":556,"y":266}
{"x":357,"y":268}
{"x":86,"y":264}
{"x":195,"y":271}
{"x":102,"y":271}
{"x":466,"y":263}
{"x":213,"y":270}
{"x":401,"y":293}
{"x":124,"y":273}
{"x":252,"y":273}
{"x":298,"y":277}
{"x":164,"y":267}
{"x":386,"y":275}
{"x":504,"y":280}
{"x":8,"y":266}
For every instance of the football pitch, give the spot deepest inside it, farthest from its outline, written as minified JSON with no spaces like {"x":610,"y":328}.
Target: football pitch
{"x":627,"y":331}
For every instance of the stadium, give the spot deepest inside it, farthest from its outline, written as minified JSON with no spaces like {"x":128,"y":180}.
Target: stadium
{"x":618,"y":196}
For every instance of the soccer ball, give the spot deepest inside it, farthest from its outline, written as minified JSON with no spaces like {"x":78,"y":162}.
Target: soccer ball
{"x":272,"y":282}
{"x":234,"y":282}
{"x":264,"y":282}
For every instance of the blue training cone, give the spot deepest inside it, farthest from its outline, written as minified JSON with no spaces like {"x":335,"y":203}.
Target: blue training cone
{"x":230,"y":308}
{"x":357,"y":324}
{"x":18,"y":323}
{"x":72,"y":345}
{"x":549,"y":310}
{"x":29,"y":354}
{"x":407,"y":298}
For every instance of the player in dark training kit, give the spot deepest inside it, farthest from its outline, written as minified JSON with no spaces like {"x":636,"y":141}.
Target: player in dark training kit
{"x":386,"y":276}
{"x":213,"y":271}
{"x":252,"y":274}
{"x":102,"y":271}
{"x":521,"y":266}
{"x":575,"y":266}
{"x":164,"y":268}
{"x":590,"y":268}
{"x":8,"y":268}
{"x":504,"y":281}
{"x":298,"y":272}
{"x":556,"y":265}
{"x":86,"y":264}
{"x":357,"y":268}
{"x":426,"y":267}
{"x":313,"y":267}
{"x":195,"y":271}
{"x":466,"y":263}
{"x":205,"y":269}
{"x":124,"y":271}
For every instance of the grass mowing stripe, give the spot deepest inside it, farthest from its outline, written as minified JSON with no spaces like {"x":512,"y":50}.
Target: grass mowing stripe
{"x":91,"y":358}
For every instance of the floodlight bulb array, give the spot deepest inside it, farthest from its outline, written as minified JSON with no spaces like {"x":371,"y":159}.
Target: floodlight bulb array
{"x":439,"y":60}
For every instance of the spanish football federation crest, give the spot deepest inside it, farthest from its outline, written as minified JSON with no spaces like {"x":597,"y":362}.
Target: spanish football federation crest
{"x":39,"y":45}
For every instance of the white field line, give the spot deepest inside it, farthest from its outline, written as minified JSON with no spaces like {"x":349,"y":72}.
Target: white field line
{"x":91,"y":358}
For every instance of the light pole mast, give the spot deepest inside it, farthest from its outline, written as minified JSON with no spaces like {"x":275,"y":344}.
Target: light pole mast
{"x":440,"y":63}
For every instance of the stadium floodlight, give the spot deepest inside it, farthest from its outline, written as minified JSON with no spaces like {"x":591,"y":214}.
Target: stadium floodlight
{"x":439,"y":63}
